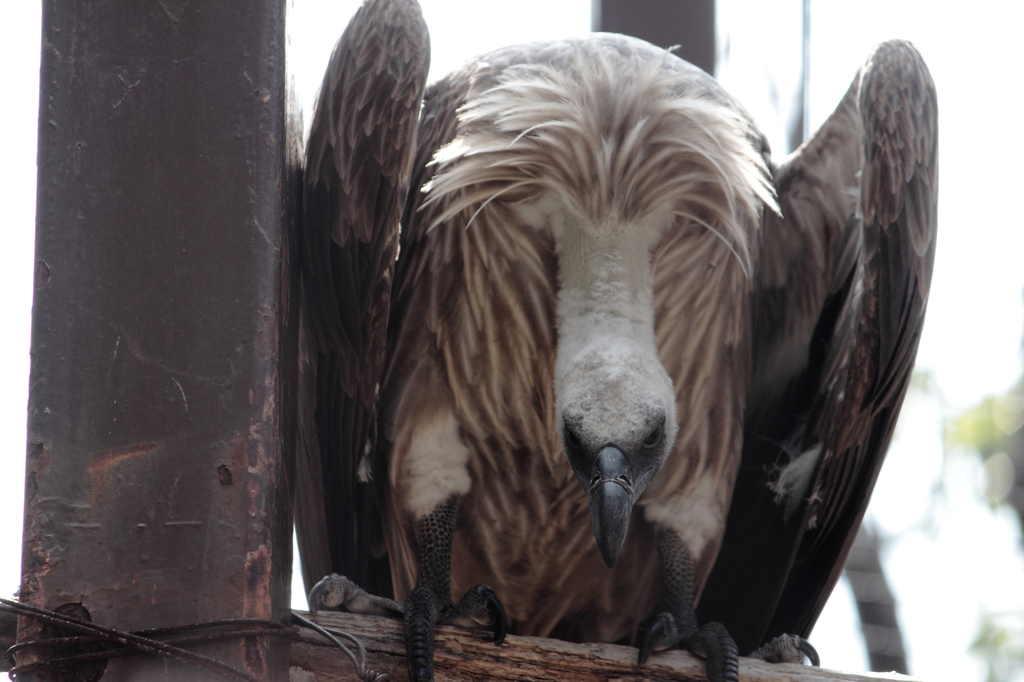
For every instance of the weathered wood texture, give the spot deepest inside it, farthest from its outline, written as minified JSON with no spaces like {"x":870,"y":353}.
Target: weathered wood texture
{"x":463,"y":654}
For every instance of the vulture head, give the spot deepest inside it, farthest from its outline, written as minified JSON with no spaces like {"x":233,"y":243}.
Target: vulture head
{"x":617,"y":416}
{"x":609,"y":158}
{"x":616,"y":405}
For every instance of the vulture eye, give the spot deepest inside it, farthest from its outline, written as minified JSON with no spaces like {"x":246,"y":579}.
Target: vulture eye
{"x":654,"y":437}
{"x":571,"y":439}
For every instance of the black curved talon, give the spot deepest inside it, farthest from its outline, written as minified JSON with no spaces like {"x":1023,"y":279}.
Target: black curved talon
{"x":497,"y":614}
{"x":660,"y":629}
{"x":316,"y":595}
{"x":787,"y":649}
{"x":712,"y":641}
{"x":808,"y":650}
{"x":478,"y":608}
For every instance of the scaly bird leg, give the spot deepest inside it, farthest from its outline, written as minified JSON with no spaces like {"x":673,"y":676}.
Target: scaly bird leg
{"x":430,"y":601}
{"x":674,"y":624}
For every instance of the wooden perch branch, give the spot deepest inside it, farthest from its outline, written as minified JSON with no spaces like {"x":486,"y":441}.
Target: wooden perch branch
{"x":462,"y":654}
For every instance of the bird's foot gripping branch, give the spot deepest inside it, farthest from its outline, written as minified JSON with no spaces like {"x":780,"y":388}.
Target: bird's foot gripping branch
{"x":429,"y":602}
{"x":468,"y":655}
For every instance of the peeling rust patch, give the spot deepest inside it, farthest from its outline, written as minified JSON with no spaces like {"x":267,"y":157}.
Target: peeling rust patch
{"x":37,"y":464}
{"x":267,"y":342}
{"x":42,"y":274}
{"x":31,"y":487}
{"x":35,"y":565}
{"x":238,"y":453}
{"x":255,"y":660}
{"x":254,"y":491}
{"x":257,"y":582}
{"x":257,"y":448}
{"x":263,"y":436}
{"x":103,"y":460}
{"x":35,"y":562}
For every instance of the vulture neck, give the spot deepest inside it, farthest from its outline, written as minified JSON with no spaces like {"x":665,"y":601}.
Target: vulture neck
{"x":605,"y":298}
{"x":607,"y":356}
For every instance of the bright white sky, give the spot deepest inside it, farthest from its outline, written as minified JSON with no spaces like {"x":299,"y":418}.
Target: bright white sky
{"x":967,"y":559}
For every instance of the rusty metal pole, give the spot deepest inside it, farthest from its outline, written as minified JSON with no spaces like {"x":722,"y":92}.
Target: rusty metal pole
{"x":163,"y":331}
{"x":690,"y":24}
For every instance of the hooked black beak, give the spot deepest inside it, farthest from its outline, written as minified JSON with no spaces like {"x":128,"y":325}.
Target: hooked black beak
{"x":611,"y":501}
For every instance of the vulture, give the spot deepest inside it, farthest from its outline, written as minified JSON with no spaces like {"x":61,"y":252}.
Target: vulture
{"x":579,"y":359}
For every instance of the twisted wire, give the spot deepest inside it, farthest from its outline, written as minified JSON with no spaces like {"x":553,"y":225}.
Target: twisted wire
{"x":136,"y":640}
{"x":141,"y":640}
{"x":364,"y":673}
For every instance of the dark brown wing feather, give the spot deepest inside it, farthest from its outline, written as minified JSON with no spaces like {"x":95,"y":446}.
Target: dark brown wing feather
{"x":841,"y":304}
{"x":358,"y":160}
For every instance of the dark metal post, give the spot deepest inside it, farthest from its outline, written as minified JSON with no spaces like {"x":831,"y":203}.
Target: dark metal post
{"x":690,"y":24}
{"x":876,"y":605}
{"x":164,"y":324}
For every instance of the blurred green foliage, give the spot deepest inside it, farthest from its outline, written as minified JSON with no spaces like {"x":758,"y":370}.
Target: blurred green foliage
{"x":989,"y":426}
{"x":1000,"y":642}
{"x":992,"y":429}
{"x":976,"y":429}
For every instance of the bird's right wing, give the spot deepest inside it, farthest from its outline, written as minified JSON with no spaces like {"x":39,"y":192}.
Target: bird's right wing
{"x":358,"y":161}
{"x":841,"y":294}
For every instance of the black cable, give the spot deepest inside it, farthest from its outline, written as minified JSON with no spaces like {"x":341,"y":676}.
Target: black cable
{"x":140,"y":640}
{"x":364,"y":673}
{"x":126,"y":639}
{"x":116,"y":653}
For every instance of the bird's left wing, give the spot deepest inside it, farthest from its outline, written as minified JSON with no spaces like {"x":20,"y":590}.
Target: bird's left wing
{"x":356,"y":179}
{"x":841,"y":293}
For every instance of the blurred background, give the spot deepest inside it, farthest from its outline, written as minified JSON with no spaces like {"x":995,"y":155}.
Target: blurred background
{"x":945,"y":519}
